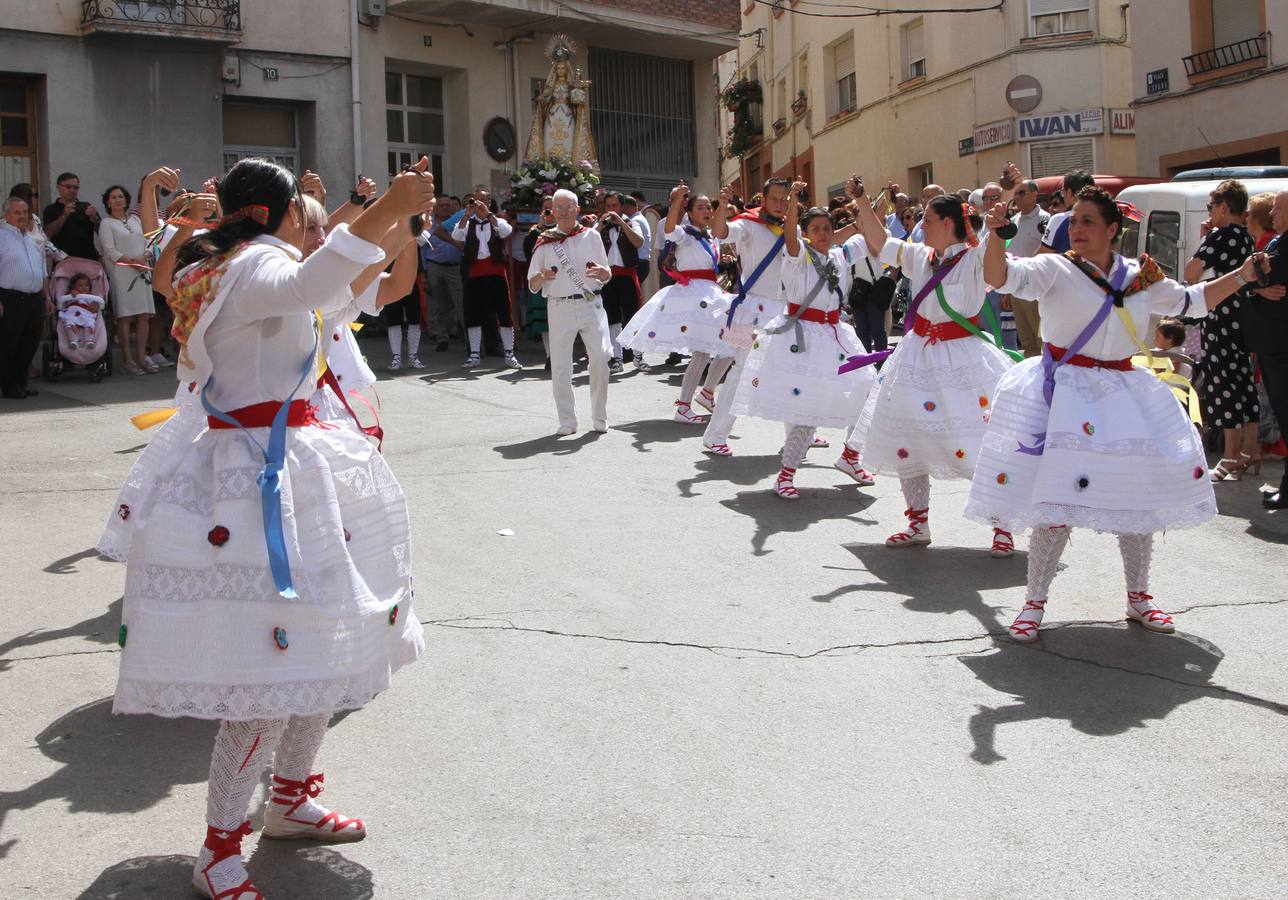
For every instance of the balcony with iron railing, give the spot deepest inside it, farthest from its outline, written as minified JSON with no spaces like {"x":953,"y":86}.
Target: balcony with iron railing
{"x":1246,"y":54}
{"x":217,"y":21}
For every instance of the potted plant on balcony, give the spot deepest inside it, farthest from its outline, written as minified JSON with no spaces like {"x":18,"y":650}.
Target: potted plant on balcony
{"x":800,"y":104}
{"x":741,"y":136}
{"x":780,"y":125}
{"x":741,"y":93}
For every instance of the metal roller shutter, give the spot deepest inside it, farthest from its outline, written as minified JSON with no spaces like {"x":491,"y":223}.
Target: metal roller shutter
{"x":1058,"y":157}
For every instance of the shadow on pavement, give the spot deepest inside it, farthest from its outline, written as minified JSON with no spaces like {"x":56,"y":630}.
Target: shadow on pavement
{"x":67,"y":564}
{"x":114,"y":764}
{"x":774,"y":515}
{"x":547,"y":443}
{"x":934,"y":579}
{"x":1104,"y":679}
{"x":278,"y":869}
{"x":101,"y":629}
{"x":658,"y":431}
{"x":745,"y":470}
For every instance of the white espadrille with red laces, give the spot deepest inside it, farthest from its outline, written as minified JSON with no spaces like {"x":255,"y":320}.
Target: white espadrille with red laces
{"x":1025,"y":627}
{"x":821,"y":443}
{"x":707,"y":399}
{"x":848,"y":462}
{"x":917,"y":534}
{"x":784,"y":487}
{"x":718,"y":449}
{"x":1003,"y":545}
{"x":684,"y":413}
{"x":293,"y":813}
{"x":220,"y":873}
{"x":1141,"y":608}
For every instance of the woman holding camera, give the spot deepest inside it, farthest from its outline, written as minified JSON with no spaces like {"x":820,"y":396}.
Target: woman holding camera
{"x":268,"y":577}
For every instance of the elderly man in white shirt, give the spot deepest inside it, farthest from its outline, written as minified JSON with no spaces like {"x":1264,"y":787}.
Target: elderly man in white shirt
{"x":22,"y":301}
{"x":569,"y":266}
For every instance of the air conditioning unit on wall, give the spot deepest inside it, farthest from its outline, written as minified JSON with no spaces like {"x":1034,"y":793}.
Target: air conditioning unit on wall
{"x":373,"y":8}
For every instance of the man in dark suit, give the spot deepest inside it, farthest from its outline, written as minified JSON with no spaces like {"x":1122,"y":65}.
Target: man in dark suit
{"x":1269,"y":333}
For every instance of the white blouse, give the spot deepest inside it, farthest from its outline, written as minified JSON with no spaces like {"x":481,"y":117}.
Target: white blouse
{"x":800,"y":276}
{"x":964,"y":286}
{"x":1068,"y":300}
{"x":689,"y":253}
{"x":258,"y":333}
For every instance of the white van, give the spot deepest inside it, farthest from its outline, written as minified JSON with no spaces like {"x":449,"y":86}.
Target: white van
{"x":1172,"y":212}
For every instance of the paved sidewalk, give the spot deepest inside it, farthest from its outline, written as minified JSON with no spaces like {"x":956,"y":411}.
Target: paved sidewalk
{"x":668,"y":682}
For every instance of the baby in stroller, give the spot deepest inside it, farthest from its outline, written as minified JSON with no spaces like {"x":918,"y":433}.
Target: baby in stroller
{"x":79,"y":315}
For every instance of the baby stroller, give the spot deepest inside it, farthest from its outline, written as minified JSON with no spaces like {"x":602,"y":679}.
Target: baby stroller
{"x":59,"y":354}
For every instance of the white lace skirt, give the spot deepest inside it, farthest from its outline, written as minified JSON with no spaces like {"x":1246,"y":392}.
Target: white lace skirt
{"x":927,"y":413}
{"x":205,"y":633}
{"x":799,"y":385}
{"x":753,"y":313}
{"x":680,"y":318}
{"x":1121,"y":455}
{"x":168,"y":441}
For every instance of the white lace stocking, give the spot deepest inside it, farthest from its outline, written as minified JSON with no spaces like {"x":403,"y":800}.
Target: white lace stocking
{"x":242,"y":751}
{"x":1136,"y":550}
{"x":797,"y":442}
{"x":916,"y":491}
{"x":299,"y":746}
{"x":613,"y":331}
{"x":413,"y":340}
{"x":507,"y":340}
{"x":719,"y":366}
{"x":475,"y":334}
{"x":1045,"y":547}
{"x":395,"y":339}
{"x":691,"y":375}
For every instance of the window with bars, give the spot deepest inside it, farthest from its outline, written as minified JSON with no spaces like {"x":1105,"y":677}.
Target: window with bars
{"x":913,"y":41}
{"x":262,"y":130}
{"x":17,"y":133}
{"x":1058,"y":17}
{"x":414,"y":122}
{"x":642,"y":118}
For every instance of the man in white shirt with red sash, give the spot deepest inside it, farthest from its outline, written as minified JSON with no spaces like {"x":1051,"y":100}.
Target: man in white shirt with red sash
{"x":758,"y":235}
{"x":570,"y":267}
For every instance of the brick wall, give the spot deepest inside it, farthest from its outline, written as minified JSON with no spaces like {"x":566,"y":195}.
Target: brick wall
{"x":719,"y":13}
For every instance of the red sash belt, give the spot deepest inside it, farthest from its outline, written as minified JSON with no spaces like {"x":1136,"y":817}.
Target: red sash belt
{"x":260,"y":415}
{"x":942,"y":331}
{"x":684,"y":276}
{"x":815,"y":315}
{"x":1089,"y":362}
{"x":481,"y":268}
{"x":629,"y":272}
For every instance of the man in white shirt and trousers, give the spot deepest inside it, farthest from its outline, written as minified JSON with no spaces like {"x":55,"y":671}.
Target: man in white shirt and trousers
{"x":569,"y":266}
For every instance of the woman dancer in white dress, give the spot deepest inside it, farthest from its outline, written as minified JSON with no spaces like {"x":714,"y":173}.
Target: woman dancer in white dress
{"x":1078,"y":437}
{"x":687,"y":317}
{"x":926,"y":416}
{"x":791,"y":372}
{"x":268,"y":581}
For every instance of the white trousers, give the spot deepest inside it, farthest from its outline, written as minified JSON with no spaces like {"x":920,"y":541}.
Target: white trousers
{"x":722,"y":419}
{"x":569,"y":318}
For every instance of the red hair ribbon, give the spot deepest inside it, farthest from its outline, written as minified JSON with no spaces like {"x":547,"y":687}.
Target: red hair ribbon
{"x":256,"y":212}
{"x":971,"y":239}
{"x":1129,"y":211}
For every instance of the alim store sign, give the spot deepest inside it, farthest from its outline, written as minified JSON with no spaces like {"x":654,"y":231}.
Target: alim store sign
{"x":1064,"y":124}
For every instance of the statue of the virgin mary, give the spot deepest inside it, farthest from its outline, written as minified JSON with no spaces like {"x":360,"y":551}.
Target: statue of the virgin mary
{"x":561,"y":127}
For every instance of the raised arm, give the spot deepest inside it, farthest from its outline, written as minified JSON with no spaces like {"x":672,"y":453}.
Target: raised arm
{"x":720,"y":222}
{"x":163,"y":178}
{"x":791,"y":231}
{"x":679,"y":196}
{"x":392,"y":244}
{"x":348,"y":210}
{"x":398,"y":283}
{"x":200,"y":206}
{"x":866,"y":218}
{"x":995,"y":266}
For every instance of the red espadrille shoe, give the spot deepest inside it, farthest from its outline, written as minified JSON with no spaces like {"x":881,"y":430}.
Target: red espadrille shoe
{"x":783,"y":487}
{"x":707,"y":400}
{"x":1003,"y":545}
{"x":220,"y":873}
{"x":1141,"y":608}
{"x":916,"y":534}
{"x":292,"y":813}
{"x":1025,"y":627}
{"x":684,"y":413}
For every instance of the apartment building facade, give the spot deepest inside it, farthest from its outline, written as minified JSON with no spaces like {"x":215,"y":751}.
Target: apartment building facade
{"x":112,"y":89}
{"x":927,"y":97}
{"x":1209,"y":84}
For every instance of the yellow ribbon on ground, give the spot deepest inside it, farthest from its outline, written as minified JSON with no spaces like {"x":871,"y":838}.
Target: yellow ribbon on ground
{"x":1161,"y":367}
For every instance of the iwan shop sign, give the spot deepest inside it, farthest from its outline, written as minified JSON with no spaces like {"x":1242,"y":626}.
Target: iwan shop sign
{"x":1060,"y":125}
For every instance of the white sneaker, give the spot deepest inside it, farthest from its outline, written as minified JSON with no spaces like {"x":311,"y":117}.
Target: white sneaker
{"x":472,"y":361}
{"x":416,"y":363}
{"x":395,"y":364}
{"x":512,"y":362}
{"x":565,"y":430}
{"x":160,"y":360}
